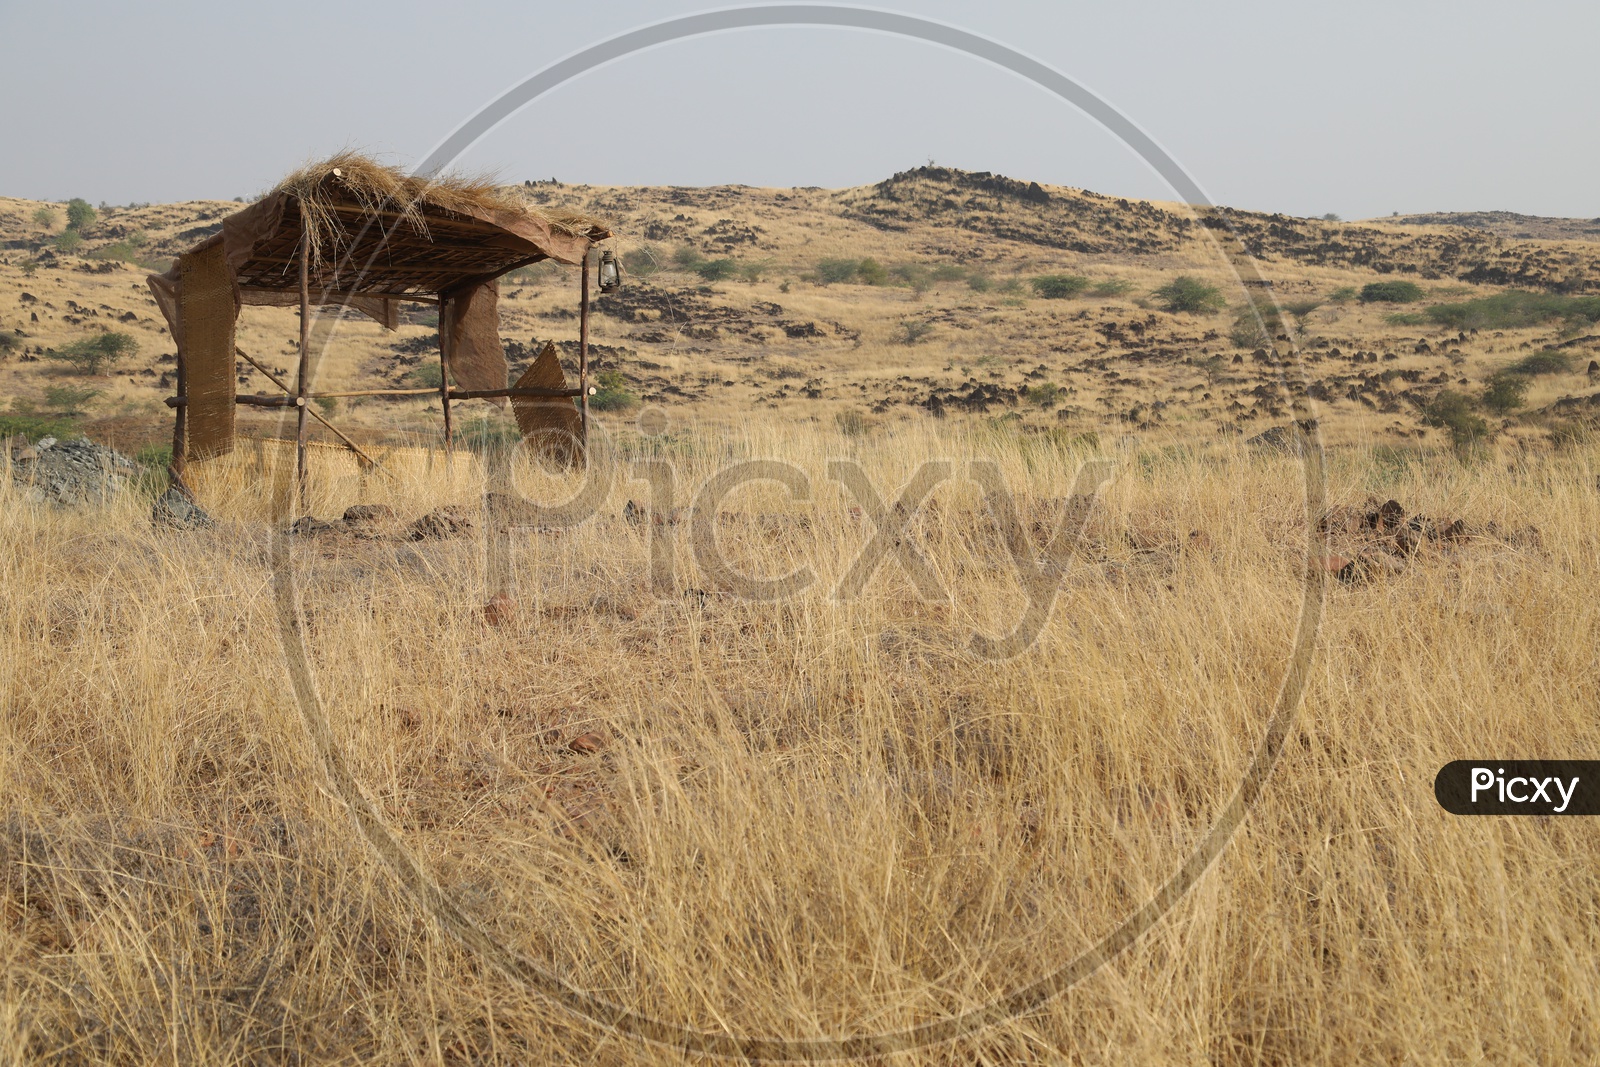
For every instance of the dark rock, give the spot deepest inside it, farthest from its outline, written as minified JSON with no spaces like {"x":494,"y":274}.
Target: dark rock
{"x":174,"y":509}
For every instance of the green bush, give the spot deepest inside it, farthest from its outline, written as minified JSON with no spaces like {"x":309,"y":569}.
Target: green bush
{"x":870,"y":272}
{"x":687,"y":257}
{"x":327,"y":404}
{"x":1406,"y":318}
{"x":717,"y":270}
{"x":1058,"y":286}
{"x":914,"y":332}
{"x":949,"y":272}
{"x":1111,"y":287}
{"x":68,"y":241}
{"x":425,"y":376}
{"x":640,"y":262}
{"x":1190,"y":294}
{"x":979,"y":282}
{"x":1044,"y":395}
{"x":1514,"y":309}
{"x":830,"y":271}
{"x":1343,"y":295}
{"x":1391,"y":293}
{"x":45,"y":217}
{"x":69,"y":399}
{"x":1454,"y":412}
{"x":612,"y":393}
{"x":79,"y":214}
{"x":34,"y":426}
{"x":1542,"y":363}
{"x":1505,"y":392}
{"x":91,"y":355}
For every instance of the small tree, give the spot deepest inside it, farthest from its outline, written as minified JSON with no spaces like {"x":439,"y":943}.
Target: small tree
{"x":80,"y":213}
{"x":68,"y":241}
{"x":1452,"y":411}
{"x":1505,"y":392}
{"x":91,"y":355}
{"x":717,"y":270}
{"x":1187,"y":293}
{"x":830,"y":271}
{"x":45,"y":217}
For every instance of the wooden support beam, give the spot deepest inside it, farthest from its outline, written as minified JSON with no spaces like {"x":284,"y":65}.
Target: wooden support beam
{"x":351,"y":445}
{"x":583,"y":353}
{"x":444,"y":374}
{"x":258,"y":400}
{"x":485,"y":394}
{"x":305,"y":356}
{"x":343,"y":296}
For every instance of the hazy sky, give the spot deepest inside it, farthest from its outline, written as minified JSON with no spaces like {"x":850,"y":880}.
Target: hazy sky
{"x":1358,"y":108}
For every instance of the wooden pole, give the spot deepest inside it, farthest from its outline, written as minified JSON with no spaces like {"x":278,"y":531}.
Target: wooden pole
{"x":445,"y":308}
{"x":305,"y":355}
{"x":180,"y":426}
{"x":583,"y":356}
{"x":351,"y":445}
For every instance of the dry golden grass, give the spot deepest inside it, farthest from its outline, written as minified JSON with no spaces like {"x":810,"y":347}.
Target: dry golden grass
{"x":810,"y":818}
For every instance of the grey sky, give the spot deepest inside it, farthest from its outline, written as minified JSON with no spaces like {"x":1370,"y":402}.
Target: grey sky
{"x":1362,"y":109}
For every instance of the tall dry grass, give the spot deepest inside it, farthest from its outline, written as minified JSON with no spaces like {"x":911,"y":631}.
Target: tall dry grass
{"x":810,"y":818}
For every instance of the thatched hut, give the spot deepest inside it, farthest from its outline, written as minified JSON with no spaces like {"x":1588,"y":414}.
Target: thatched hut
{"x":352,"y":232}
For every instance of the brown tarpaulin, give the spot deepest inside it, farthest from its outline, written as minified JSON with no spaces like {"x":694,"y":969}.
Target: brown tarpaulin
{"x":469,"y":334}
{"x":206,"y":303}
{"x":553,"y":427}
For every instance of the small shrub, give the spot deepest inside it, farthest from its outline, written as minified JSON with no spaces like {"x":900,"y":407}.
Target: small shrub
{"x":1011,"y":285}
{"x":914,"y":275}
{"x":33,"y":427}
{"x":717,"y":270}
{"x":1301,"y":308}
{"x":79,"y":214}
{"x":851,"y":423}
{"x":1332,"y":216}
{"x":1515,"y":309}
{"x":1505,"y":392}
{"x":1059,"y":286}
{"x":640,"y":262}
{"x":327,"y":404}
{"x":612,"y":392}
{"x":1406,"y":318}
{"x":1255,"y":325}
{"x":69,"y":399}
{"x":753,"y":270}
{"x":1391,"y":293}
{"x":1111,"y":287}
{"x":9,"y":343}
{"x":1043,"y":395}
{"x":979,"y":282}
{"x":45,"y":218}
{"x":1189,"y":294}
{"x":68,"y":241}
{"x":830,"y":271}
{"x":1343,"y":295}
{"x":1542,"y":363}
{"x":687,"y":257}
{"x":914,"y":332}
{"x":91,"y":355}
{"x":1454,"y":412}
{"x":425,"y":376}
{"x":870,"y":272}
{"x":949,"y":272}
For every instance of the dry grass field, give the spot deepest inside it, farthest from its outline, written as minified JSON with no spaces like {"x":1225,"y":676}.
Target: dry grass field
{"x":825,"y":814}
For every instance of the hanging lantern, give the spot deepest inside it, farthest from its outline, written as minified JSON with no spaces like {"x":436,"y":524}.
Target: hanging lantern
{"x":610,"y":272}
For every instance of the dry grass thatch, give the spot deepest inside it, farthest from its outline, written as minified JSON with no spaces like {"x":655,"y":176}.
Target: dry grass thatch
{"x":377,"y":186}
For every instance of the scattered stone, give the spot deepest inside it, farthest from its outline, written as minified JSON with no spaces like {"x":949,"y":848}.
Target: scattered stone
{"x":440,"y":523}
{"x":306,"y":525}
{"x":176,"y":510}
{"x":70,"y":473}
{"x":501,"y":610}
{"x":362,"y":513}
{"x":1341,"y":567}
{"x":587,"y":744}
{"x":1276,"y":438}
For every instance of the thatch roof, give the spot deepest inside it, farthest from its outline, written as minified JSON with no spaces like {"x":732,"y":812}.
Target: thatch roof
{"x":376,"y":231}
